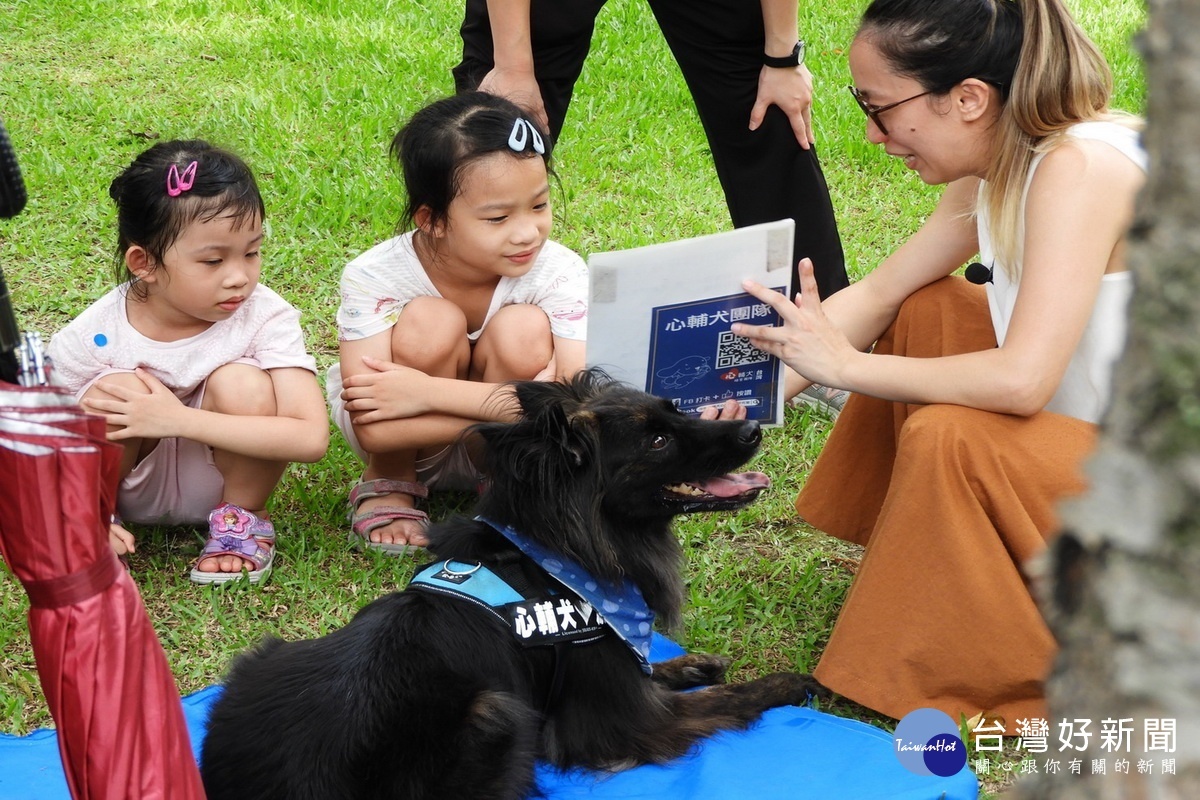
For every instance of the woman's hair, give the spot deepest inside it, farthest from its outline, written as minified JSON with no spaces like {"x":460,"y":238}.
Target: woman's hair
{"x":441,"y":140}
{"x":1048,"y":73}
{"x":161,"y":193}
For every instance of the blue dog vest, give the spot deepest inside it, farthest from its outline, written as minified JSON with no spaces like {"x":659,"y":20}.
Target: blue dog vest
{"x":581,"y":610}
{"x":535,"y":618}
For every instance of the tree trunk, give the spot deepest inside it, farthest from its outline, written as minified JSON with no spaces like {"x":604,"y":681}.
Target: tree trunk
{"x":1123,"y":581}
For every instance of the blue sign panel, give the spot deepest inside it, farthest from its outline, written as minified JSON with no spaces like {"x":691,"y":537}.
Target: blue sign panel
{"x":696,"y":361}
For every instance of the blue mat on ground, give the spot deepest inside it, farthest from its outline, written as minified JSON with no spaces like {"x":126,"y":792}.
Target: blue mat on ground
{"x":790,"y":754}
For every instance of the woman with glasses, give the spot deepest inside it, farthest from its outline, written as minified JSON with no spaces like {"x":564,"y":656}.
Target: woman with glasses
{"x":973,"y":406}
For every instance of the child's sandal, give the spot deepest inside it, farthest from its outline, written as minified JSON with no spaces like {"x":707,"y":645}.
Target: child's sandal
{"x":363,"y":522}
{"x":234,"y":531}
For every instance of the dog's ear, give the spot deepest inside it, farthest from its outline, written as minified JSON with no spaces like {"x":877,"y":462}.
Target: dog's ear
{"x":558,"y":417}
{"x":557,"y":410}
{"x":535,"y":396}
{"x":582,"y":438}
{"x":546,"y":468}
{"x":555,"y":434}
{"x":539,"y":398}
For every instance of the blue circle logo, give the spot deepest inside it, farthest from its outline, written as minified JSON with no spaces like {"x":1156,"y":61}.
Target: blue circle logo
{"x":927,"y":743}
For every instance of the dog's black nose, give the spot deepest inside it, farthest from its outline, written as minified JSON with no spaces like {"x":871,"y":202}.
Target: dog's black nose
{"x":750,"y":432}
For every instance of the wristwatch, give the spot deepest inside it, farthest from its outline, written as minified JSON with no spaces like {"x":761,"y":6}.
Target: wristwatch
{"x":794,"y":60}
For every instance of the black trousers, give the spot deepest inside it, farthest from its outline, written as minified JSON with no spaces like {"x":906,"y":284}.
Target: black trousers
{"x":718,"y":45}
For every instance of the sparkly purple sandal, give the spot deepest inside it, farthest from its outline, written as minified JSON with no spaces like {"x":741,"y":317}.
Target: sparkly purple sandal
{"x":234,"y":531}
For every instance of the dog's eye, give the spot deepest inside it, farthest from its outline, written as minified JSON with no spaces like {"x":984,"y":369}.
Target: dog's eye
{"x":659,"y":442}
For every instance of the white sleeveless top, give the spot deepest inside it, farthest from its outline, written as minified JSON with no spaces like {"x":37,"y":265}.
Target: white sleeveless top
{"x":1087,"y":384}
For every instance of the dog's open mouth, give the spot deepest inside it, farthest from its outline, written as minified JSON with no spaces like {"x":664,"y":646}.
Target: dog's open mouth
{"x":724,"y":491}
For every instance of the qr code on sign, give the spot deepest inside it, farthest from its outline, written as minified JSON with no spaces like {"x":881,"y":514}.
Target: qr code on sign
{"x":734,"y":351}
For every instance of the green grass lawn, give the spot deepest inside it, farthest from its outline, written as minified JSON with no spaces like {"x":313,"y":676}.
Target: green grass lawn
{"x":309,"y":92}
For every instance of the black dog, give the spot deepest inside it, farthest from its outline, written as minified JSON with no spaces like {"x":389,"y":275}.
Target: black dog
{"x":428,"y":695}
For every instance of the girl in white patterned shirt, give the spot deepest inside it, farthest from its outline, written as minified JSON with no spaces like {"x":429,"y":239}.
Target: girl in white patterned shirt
{"x":433,"y":320}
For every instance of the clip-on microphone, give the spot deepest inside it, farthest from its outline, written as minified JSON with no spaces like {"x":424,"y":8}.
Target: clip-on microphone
{"x":978,"y":274}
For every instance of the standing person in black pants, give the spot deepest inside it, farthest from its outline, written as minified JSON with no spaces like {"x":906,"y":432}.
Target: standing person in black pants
{"x":744,"y":65}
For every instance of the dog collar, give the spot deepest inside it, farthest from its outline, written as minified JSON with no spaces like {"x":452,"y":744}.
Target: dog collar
{"x":621,"y":605}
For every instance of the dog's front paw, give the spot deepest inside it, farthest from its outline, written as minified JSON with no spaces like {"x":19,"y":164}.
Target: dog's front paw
{"x":693,"y":669}
{"x":793,"y":688}
{"x":814,"y":688}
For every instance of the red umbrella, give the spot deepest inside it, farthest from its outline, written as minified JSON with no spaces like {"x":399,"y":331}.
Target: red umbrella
{"x":121,"y":730}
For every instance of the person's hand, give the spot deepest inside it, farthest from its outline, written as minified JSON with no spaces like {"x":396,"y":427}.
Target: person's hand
{"x":153,"y":414}
{"x":730,"y":409}
{"x":791,"y":90}
{"x":388,"y":391}
{"x":120,"y":539}
{"x":807,"y":341}
{"x":521,"y":87}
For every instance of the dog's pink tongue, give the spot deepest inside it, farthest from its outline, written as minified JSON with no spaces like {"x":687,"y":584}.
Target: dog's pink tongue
{"x":734,"y":484}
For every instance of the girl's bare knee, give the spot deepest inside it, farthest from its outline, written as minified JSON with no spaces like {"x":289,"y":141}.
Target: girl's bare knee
{"x":517,"y":343}
{"x":429,"y":332}
{"x":519,"y":318}
{"x":241,"y":389}
{"x":127,"y":380}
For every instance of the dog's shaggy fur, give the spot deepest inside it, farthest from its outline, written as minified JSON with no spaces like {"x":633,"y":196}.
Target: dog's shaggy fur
{"x":425,"y":696}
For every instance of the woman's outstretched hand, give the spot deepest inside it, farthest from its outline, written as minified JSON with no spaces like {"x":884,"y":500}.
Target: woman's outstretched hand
{"x":806,"y":341}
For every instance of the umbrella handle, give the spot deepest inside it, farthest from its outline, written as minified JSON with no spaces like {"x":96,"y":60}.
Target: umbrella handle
{"x":21,"y":358}
{"x":10,"y":337}
{"x":12,"y":188}
{"x":12,"y":200}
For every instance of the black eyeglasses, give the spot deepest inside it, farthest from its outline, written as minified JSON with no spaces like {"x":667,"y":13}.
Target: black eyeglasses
{"x":873,"y":112}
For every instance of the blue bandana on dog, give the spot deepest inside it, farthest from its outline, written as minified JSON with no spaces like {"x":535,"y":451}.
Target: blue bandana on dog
{"x":621,"y":604}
